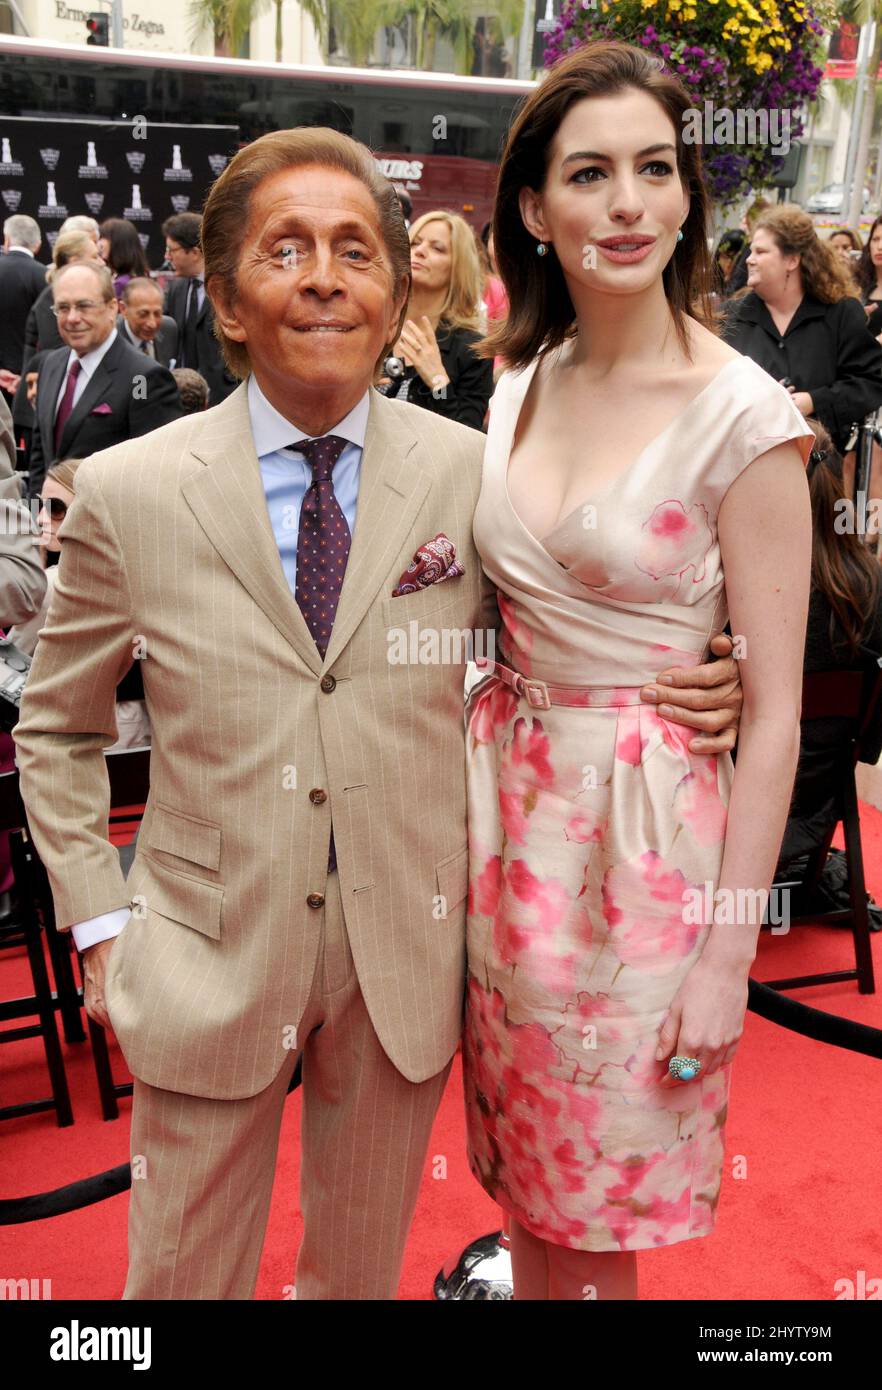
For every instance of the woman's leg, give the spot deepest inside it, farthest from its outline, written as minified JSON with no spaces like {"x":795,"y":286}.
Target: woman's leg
{"x":584,"y":1274}
{"x":529,"y":1263}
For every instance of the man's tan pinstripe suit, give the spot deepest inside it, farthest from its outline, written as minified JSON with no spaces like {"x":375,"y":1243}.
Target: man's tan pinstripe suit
{"x":168,"y":551}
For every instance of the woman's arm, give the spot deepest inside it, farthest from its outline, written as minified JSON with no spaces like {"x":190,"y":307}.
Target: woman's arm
{"x":764,"y":528}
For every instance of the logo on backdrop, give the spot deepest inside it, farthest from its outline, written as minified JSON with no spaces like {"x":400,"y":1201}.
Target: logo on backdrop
{"x":136,"y":160}
{"x":94,"y":202}
{"x":180,"y":202}
{"x":177,"y":173}
{"x":8,"y":165}
{"x":50,"y":158}
{"x":12,"y":198}
{"x":218,"y":163}
{"x":52,"y":207}
{"x":137,"y":212}
{"x":92,"y":169}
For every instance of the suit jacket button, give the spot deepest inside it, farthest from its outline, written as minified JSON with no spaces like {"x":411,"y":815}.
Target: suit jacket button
{"x":328,"y":684}
{"x":317,"y":796}
{"x":315,"y":900}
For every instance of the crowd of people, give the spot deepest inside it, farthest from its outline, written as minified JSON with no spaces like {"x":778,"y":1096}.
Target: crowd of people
{"x":721,"y":381}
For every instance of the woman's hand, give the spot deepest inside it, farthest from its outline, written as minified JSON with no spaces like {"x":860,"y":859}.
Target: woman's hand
{"x":419,"y":348}
{"x":802,"y":400}
{"x":706,"y":1017}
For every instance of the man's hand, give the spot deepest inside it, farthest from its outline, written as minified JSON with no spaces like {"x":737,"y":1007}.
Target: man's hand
{"x":703,"y":697}
{"x":95,"y":960}
{"x":9,"y":381}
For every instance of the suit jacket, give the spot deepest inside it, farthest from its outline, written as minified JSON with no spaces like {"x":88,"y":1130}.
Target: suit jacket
{"x":21,"y":280}
{"x":165,"y":342}
{"x":210,"y":361}
{"x":217,"y":958}
{"x":41,"y":329}
{"x":132,"y":412}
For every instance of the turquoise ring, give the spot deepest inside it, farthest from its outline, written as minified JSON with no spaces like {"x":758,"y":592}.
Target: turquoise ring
{"x":684,"y":1068}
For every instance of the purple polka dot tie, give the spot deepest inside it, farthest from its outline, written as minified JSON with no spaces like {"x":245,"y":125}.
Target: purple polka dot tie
{"x":322,"y":550}
{"x":322,"y":541}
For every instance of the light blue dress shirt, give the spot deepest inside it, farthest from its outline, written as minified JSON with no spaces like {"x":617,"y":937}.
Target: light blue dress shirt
{"x":286,"y":475}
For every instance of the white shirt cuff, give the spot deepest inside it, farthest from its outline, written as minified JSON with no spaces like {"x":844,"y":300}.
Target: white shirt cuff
{"x":101,"y":928}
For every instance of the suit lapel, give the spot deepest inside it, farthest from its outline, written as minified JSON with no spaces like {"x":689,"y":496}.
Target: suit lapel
{"x":48,"y":386}
{"x":391,"y":490}
{"x":95,"y":389}
{"x":228,"y":501}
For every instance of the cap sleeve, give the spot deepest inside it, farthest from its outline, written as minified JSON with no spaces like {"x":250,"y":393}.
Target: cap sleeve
{"x":768,"y":418}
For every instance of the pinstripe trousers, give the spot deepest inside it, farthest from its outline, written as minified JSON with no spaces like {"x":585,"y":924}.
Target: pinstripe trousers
{"x":202,"y":1169}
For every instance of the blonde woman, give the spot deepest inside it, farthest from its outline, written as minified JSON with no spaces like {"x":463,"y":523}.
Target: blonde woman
{"x":433,"y":364}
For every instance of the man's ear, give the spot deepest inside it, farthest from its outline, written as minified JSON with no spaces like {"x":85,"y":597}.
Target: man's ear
{"x":224,"y":310}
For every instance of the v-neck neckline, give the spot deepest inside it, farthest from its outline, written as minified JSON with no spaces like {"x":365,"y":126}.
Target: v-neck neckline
{"x":512,"y":430}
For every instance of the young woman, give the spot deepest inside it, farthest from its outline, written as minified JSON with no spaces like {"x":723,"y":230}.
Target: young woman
{"x":633,"y":459}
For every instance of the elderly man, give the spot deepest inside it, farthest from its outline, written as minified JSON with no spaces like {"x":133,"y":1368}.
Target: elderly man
{"x":98,"y":390}
{"x":301,"y":877}
{"x":143,"y":324}
{"x":22,"y":279}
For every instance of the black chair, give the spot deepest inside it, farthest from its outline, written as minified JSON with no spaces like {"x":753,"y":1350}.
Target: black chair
{"x":853,"y":695}
{"x":129,"y":778}
{"x":25,"y":927}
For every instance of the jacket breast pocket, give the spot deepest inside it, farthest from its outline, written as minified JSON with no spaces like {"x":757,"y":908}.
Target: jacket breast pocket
{"x":452,"y":875}
{"x":190,"y":901}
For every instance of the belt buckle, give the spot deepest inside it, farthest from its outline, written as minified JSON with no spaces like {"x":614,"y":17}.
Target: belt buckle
{"x":536,"y":693}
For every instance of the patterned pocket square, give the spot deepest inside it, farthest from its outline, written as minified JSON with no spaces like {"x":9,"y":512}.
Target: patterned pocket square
{"x":434,"y":562}
{"x":102,"y":409}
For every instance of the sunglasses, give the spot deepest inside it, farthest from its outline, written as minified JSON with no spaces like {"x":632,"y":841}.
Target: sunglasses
{"x":54,"y":505}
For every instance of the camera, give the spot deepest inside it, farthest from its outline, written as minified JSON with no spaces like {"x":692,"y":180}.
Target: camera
{"x":14,"y":667}
{"x":393,"y":367}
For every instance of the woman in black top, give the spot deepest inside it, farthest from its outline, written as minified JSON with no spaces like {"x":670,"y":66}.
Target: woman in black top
{"x":869,"y":276}
{"x":802,"y":322}
{"x":433,"y":363}
{"x":844,"y":631}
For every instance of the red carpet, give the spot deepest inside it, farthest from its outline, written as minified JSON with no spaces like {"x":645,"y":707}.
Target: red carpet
{"x":799,"y":1208}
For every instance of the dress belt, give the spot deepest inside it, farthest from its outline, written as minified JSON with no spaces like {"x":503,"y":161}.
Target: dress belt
{"x":541,"y":695}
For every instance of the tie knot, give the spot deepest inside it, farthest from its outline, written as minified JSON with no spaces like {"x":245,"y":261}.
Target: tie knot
{"x":76,"y":367}
{"x":321,"y":454}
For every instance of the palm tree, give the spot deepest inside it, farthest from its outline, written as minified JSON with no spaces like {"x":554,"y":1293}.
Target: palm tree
{"x":231,"y":20}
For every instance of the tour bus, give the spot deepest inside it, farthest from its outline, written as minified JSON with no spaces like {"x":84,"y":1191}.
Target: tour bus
{"x":436,"y":135}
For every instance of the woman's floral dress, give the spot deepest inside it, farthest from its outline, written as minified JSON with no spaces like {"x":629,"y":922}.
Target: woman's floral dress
{"x":591,"y":830}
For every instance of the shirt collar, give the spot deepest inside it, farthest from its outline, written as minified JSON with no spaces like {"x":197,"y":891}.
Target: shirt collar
{"x":89,"y":361}
{"x":23,"y":249}
{"x":272,"y":431}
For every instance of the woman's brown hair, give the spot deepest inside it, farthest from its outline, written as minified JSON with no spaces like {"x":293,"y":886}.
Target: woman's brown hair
{"x":843,"y":569}
{"x":226,"y":213}
{"x":824,"y":275}
{"x":541,"y":311}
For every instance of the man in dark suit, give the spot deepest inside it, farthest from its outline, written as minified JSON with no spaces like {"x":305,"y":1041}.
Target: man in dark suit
{"x":144,"y":326}
{"x":190,"y":307}
{"x":22,"y":278}
{"x":98,"y":390}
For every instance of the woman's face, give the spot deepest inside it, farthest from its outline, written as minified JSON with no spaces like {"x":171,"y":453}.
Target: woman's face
{"x":430,"y":257}
{"x":725,"y":260}
{"x":103,"y":248}
{"x":613,"y":201}
{"x":876,"y":245}
{"x":842,"y":246}
{"x":49,"y":521}
{"x":767,"y":266}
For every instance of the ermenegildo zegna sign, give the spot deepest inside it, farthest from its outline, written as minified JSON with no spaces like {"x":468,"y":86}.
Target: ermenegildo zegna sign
{"x":139,"y":169}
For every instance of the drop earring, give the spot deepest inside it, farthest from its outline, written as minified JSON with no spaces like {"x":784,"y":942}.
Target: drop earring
{"x":541,"y":249}
{"x":680,"y":234}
